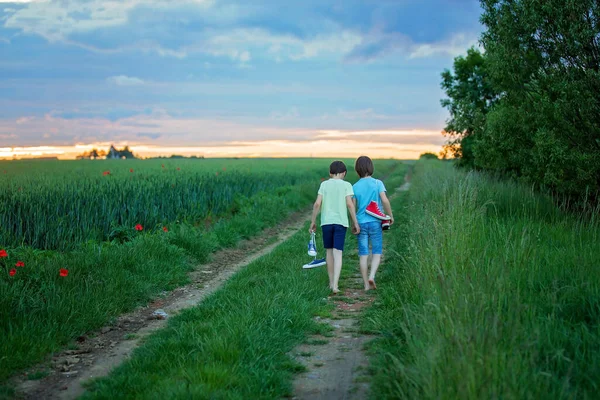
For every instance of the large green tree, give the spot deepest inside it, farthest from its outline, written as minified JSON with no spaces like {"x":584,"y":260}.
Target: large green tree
{"x":543,"y":57}
{"x":470,"y":97}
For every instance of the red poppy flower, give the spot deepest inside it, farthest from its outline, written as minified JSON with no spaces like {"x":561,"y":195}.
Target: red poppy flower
{"x":322,"y":179}
{"x":139,"y":228}
{"x":20,"y":264}
{"x":131,"y":170}
{"x":3,"y":254}
{"x":165,"y":229}
{"x":178,"y":169}
{"x":63,"y":272}
{"x":162,"y":165}
{"x":106,"y":173}
{"x":12,"y":272}
{"x":224,"y":169}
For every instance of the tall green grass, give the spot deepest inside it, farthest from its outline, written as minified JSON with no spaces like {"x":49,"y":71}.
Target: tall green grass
{"x":490,"y":292}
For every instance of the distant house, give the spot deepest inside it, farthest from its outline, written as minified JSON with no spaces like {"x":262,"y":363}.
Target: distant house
{"x":115,"y":154}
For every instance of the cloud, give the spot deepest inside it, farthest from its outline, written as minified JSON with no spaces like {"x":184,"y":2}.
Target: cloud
{"x":456,"y":45}
{"x":56,"y":21}
{"x":364,"y":114}
{"x":159,"y":128}
{"x":174,"y":131}
{"x":133,"y":25}
{"x":149,"y":135}
{"x":291,"y":114}
{"x":239,"y":42}
{"x":123,"y":80}
{"x":241,"y":31}
{"x":24,"y":120}
{"x":391,"y":136}
{"x":379,"y":45}
{"x":333,"y":43}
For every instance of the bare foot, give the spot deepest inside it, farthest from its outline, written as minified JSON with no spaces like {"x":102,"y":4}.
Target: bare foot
{"x":367,"y":288}
{"x":372,"y":284}
{"x":336,"y":291}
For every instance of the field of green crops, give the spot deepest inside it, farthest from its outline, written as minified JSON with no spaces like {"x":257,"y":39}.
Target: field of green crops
{"x":57,"y":205}
{"x":71,"y":228}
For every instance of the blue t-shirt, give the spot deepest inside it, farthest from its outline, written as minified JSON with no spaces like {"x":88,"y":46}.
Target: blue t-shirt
{"x":367,"y":190}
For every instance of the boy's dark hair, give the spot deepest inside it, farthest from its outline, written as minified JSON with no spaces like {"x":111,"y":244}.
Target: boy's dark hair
{"x":337,"y":167}
{"x":364,"y":166}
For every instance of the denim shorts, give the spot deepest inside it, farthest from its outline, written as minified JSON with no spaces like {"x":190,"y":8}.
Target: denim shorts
{"x":334,"y":236}
{"x":370,"y":231}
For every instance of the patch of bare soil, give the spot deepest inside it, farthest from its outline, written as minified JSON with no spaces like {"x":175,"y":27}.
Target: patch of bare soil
{"x":97,"y":353}
{"x":336,"y":364}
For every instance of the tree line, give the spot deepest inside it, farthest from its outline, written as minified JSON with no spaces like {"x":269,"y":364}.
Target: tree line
{"x":528,"y":105}
{"x":112,"y":153}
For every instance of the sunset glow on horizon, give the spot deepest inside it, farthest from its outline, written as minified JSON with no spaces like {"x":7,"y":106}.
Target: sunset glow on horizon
{"x":336,"y":146}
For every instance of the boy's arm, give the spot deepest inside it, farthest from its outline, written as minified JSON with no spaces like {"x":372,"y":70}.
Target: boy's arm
{"x":387,"y":206}
{"x":316,"y":209}
{"x":352,"y":209}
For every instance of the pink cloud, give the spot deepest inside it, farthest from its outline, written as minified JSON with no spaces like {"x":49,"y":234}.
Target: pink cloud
{"x":213,"y":137}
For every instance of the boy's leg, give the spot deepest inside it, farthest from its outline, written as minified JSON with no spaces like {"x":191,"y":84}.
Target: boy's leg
{"x":375,"y":261}
{"x":330,"y":267}
{"x":363,"y":253}
{"x":328,"y":232}
{"x":377,"y":243}
{"x":364,"y":270}
{"x":337,"y":269}
{"x":339,"y":238}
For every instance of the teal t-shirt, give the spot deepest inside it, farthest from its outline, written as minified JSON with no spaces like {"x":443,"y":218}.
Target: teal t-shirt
{"x":334,"y":209}
{"x":367,"y":190}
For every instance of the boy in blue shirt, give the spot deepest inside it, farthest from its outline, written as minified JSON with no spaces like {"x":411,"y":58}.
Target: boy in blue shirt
{"x":369,"y":196}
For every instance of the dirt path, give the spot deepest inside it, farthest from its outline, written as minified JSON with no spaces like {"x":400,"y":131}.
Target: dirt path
{"x":337,"y":366}
{"x":96,"y":354}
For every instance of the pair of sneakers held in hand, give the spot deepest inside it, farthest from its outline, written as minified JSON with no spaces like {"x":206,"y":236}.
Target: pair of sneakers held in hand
{"x":374,"y":211}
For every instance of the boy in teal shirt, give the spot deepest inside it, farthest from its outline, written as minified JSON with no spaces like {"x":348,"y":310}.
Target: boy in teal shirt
{"x":334,"y":199}
{"x":370,"y":195}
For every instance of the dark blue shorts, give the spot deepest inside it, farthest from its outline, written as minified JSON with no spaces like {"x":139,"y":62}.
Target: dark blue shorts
{"x":334,"y":236}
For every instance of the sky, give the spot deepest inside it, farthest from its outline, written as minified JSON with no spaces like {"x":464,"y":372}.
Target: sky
{"x":214,"y":78}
